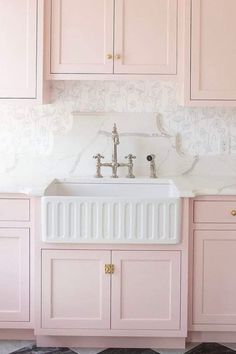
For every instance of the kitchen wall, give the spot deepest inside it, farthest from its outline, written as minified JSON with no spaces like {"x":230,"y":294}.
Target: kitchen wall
{"x":40,"y":143}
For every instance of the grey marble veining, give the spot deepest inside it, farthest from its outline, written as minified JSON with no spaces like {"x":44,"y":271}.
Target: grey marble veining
{"x":7,"y":347}
{"x":35,"y":350}
{"x":128,"y":351}
{"x":211,"y":348}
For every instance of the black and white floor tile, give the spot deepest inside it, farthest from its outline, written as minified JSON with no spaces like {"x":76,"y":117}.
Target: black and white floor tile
{"x":20,"y":347}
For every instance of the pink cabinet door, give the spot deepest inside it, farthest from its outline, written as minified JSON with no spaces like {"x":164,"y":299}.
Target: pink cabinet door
{"x":82,"y":36}
{"x":214,"y":286}
{"x":145,"y":36}
{"x":146,"y":290}
{"x":75,"y":289}
{"x":18,"y":41}
{"x":14,"y":275}
{"x":213,"y":50}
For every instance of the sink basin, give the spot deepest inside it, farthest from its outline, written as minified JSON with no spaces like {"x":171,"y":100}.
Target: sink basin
{"x":111,"y":211}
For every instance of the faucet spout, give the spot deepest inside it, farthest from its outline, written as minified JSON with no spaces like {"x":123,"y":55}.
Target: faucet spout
{"x":115,"y":135}
{"x":116,"y":141}
{"x":114,"y":163}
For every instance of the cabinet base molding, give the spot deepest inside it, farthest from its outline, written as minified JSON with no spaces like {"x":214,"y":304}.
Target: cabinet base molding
{"x":219,"y":337}
{"x":113,"y":342}
{"x":17,"y":334}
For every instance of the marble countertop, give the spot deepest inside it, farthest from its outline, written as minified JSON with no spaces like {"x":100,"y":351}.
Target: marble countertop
{"x":188,"y":186}
{"x":193,"y":186}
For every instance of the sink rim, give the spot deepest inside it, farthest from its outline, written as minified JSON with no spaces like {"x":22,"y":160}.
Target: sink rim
{"x":55,"y":188}
{"x":109,"y":180}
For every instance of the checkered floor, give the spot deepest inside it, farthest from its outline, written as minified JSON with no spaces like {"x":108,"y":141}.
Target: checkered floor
{"x":17,"y":347}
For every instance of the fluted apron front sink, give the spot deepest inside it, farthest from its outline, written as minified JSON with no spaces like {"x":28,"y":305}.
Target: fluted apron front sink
{"x":111,"y":211}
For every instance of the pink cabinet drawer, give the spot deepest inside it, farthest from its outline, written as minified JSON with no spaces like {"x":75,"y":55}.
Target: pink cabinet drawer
{"x":14,"y":209}
{"x":214,"y":211}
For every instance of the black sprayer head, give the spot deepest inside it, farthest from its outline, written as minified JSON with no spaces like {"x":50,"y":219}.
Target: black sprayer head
{"x":149,"y":157}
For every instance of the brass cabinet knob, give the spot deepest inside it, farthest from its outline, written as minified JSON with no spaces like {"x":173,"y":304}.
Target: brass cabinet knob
{"x":109,"y":268}
{"x":233,"y":212}
{"x":109,"y":56}
{"x":118,"y":57}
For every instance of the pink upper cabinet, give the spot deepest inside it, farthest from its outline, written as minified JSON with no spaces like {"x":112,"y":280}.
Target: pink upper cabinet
{"x":145,"y":36}
{"x":82,"y":36}
{"x":211,"y":52}
{"x":146,"y":290}
{"x":113,"y":37}
{"x":18,"y":48}
{"x":21,"y":58}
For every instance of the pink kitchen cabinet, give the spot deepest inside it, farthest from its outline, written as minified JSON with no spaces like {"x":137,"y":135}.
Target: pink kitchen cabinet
{"x":112,"y":37}
{"x":75,"y":289}
{"x":21,"y":51}
{"x":17,"y":267}
{"x":146,"y":290}
{"x":14,"y":276}
{"x":81,"y":36}
{"x":214,"y":288}
{"x":145,"y":37}
{"x":210,"y":72}
{"x":143,"y":291}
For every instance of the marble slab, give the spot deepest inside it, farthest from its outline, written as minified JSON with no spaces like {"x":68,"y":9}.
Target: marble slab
{"x":203,"y":348}
{"x":35,"y":350}
{"x":211,"y":348}
{"x":128,"y":351}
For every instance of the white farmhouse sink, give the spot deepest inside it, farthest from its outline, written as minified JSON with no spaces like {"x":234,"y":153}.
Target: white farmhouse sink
{"x":111,"y":211}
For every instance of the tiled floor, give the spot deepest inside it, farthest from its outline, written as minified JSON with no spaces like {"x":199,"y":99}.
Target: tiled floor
{"x":18,"y":347}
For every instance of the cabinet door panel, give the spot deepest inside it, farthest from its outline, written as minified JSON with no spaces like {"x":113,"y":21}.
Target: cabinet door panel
{"x":14,"y":275}
{"x":146,"y":290}
{"x":81,"y":36}
{"x":18,"y":43}
{"x":213,"y":50}
{"x":214,"y":286}
{"x":75,"y":290}
{"x":146,"y":36}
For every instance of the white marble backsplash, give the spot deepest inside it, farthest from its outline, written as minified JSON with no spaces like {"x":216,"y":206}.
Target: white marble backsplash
{"x":58,"y":140}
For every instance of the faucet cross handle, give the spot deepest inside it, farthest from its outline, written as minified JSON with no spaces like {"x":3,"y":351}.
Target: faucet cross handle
{"x":130,"y":157}
{"x":98,"y":157}
{"x":130,"y":165}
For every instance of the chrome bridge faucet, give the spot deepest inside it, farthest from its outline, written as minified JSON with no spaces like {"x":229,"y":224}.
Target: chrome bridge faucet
{"x":114,"y":164}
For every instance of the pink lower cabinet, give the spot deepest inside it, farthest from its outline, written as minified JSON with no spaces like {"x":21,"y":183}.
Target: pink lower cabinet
{"x":75,"y":289}
{"x":14,"y":275}
{"x":143,"y":289}
{"x":146,"y":290}
{"x":214,"y":286}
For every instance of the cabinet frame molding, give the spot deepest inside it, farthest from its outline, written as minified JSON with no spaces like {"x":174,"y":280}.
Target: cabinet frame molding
{"x":22,"y":329}
{"x":55,"y":32}
{"x":42,"y":89}
{"x":121,"y":77}
{"x":170,"y":67}
{"x":220,"y":332}
{"x":185,"y":94}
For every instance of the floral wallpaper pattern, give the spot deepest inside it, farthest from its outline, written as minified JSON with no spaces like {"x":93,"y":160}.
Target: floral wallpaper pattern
{"x":29,"y":135}
{"x":203,"y":130}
